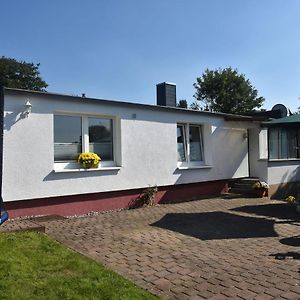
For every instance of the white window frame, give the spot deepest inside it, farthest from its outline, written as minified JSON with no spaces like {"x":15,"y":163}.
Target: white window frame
{"x":188,"y":163}
{"x":61,"y":166}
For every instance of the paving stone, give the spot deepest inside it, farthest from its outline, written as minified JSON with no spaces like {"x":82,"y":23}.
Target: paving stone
{"x":290,"y":296}
{"x":21,"y":225}
{"x":263,"y":297}
{"x":273,"y":292}
{"x":182,"y":251}
{"x":162,"y":284}
{"x":218,"y":297}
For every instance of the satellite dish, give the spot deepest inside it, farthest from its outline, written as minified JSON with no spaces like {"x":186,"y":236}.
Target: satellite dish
{"x":281,"y":108}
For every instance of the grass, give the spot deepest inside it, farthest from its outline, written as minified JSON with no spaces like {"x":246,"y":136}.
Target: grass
{"x":33,"y":266}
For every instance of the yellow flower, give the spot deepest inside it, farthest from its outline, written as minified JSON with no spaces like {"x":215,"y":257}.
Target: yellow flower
{"x":88,"y":158}
{"x":290,"y":199}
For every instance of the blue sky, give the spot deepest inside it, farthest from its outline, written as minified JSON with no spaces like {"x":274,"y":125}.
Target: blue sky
{"x":121,"y":49}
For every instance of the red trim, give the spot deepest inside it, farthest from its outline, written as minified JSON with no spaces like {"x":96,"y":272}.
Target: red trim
{"x":85,"y":203}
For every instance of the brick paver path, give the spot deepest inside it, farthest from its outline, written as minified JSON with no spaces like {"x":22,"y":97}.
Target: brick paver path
{"x":206,"y":249}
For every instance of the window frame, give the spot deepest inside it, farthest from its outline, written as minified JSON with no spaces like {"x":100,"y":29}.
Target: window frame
{"x":73,"y":164}
{"x":279,"y":142}
{"x":188,"y":163}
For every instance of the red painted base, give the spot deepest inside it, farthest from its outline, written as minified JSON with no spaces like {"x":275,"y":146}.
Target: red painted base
{"x":85,"y":203}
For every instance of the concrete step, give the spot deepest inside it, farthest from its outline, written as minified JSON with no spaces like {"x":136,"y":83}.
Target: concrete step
{"x":242,"y":191}
{"x":248,"y":180}
{"x":243,"y":185}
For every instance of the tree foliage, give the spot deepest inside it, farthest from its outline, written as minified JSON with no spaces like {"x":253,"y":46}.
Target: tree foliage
{"x":227,"y":91}
{"x":182,"y":103}
{"x":21,"y":75}
{"x":195,"y":105}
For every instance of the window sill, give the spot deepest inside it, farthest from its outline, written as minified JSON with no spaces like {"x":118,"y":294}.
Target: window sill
{"x":65,"y":167}
{"x":59,"y":170}
{"x":194,"y":167}
{"x":284,"y":159}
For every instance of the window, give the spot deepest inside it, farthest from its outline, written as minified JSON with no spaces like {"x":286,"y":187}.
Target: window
{"x":284,"y":143}
{"x":189,"y":144}
{"x":76,"y":134}
{"x":67,"y":138}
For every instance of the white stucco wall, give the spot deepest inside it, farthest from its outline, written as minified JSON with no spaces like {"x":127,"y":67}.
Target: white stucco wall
{"x":147,"y":146}
{"x":283,"y":171}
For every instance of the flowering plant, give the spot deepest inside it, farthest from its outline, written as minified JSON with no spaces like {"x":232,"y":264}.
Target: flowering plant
{"x":292,"y":200}
{"x":89,"y":160}
{"x":260,"y":185}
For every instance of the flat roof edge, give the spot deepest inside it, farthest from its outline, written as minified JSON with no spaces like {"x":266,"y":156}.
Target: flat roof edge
{"x":227,"y":117}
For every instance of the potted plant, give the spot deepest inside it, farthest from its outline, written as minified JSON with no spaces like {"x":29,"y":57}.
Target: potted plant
{"x":89,"y":160}
{"x":293,"y":201}
{"x":260,"y":188}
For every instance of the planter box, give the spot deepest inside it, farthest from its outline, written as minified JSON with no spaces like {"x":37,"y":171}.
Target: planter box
{"x":260,"y":193}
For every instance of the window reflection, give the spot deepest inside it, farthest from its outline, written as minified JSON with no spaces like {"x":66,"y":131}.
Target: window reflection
{"x":67,"y":137}
{"x":101,"y":137}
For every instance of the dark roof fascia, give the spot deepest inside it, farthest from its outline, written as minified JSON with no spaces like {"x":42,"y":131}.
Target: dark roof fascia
{"x":282,"y":124}
{"x":285,"y":121}
{"x":242,"y":118}
{"x":227,"y":117}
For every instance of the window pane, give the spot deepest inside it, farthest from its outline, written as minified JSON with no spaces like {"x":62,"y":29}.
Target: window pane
{"x":283,"y":143}
{"x":101,"y":137}
{"x":292,"y":143}
{"x":195,"y":144}
{"x":273,"y":143}
{"x":181,"y":143}
{"x":67,"y":138}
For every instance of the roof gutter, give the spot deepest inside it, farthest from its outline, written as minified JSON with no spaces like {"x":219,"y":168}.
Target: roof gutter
{"x":227,"y":117}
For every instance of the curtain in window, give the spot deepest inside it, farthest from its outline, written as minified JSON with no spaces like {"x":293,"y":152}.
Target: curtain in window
{"x":292,"y":143}
{"x":273,"y":143}
{"x":283,"y":143}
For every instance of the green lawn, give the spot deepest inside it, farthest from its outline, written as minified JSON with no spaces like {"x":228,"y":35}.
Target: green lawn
{"x":33,"y":266}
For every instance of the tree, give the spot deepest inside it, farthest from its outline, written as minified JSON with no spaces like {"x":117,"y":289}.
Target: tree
{"x":195,"y":106}
{"x":182,"y":103}
{"x":21,"y":75}
{"x":227,"y":91}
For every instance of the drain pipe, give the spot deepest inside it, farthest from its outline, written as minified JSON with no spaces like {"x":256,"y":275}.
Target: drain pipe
{"x":3,"y":213}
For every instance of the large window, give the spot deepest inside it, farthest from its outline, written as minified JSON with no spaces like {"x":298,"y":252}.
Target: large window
{"x":284,"y":143}
{"x":76,"y":134}
{"x":189,"y":144}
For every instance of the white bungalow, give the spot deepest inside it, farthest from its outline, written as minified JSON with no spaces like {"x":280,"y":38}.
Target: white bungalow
{"x":187,"y":154}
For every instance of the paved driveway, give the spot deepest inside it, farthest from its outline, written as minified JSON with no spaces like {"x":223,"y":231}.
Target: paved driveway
{"x":207,"y":249}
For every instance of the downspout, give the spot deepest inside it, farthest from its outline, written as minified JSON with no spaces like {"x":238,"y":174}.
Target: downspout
{"x":1,"y":139}
{"x":3,"y":213}
{"x":249,"y":158}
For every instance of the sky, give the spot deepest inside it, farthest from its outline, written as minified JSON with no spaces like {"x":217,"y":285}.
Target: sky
{"x":114,"y":49}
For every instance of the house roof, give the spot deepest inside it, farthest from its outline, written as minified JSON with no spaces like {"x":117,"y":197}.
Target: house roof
{"x":227,"y":117}
{"x":286,"y":120}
